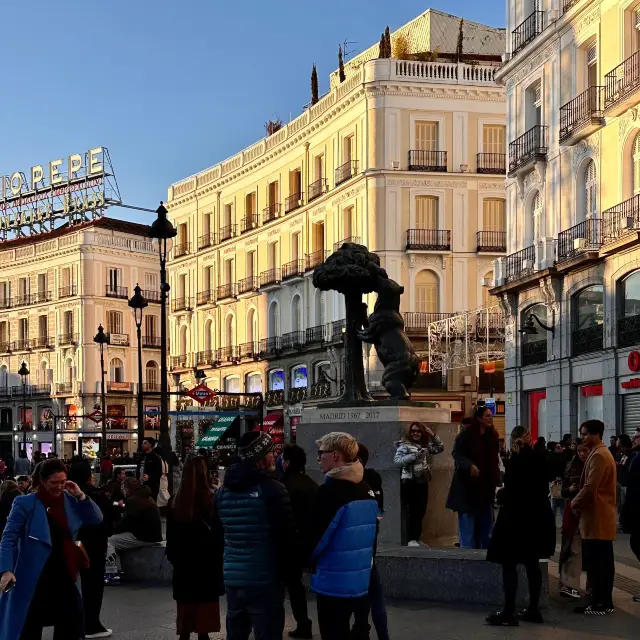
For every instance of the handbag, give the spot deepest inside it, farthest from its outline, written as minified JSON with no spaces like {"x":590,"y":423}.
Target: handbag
{"x":163,"y":493}
{"x":82,"y":556}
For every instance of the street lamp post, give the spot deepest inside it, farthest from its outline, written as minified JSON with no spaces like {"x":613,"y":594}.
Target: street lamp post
{"x":162,"y":231}
{"x":137,"y":304}
{"x":23,"y":372}
{"x":101,"y":338}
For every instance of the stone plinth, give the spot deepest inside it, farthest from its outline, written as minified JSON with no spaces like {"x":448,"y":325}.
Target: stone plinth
{"x":379,"y":426}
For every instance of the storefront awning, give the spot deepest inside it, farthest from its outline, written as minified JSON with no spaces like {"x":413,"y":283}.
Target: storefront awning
{"x":273,"y":425}
{"x":219,"y":428}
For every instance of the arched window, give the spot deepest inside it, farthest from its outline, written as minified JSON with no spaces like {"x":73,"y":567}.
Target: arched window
{"x":493,"y":214}
{"x":152,"y":374}
{"x":274,"y":320}
{"x":68,"y":371}
{"x":320,"y":308}
{"x":253,"y":383}
{"x":43,"y":373}
{"x":534,"y":337}
{"x":230,"y":326}
{"x":487,"y":299}
{"x":426,"y":292}
{"x":320,"y":368}
{"x":117,"y":370}
{"x":184,"y":340}
{"x":296,"y":314}
{"x":426,"y":212}
{"x":629,"y":309}
{"x":590,"y":191}
{"x":276,"y":380}
{"x":636,"y":165}
{"x":588,"y":319}
{"x":209,"y":338}
{"x":232,"y":384}
{"x":252,"y":329}
{"x":299,"y":376}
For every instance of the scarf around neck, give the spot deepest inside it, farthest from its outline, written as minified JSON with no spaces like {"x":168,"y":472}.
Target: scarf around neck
{"x":352,"y":472}
{"x":55,"y":511}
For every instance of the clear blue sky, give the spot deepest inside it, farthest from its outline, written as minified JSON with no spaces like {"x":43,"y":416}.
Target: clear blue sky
{"x":171,"y":87}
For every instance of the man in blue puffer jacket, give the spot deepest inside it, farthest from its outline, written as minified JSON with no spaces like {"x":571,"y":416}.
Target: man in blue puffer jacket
{"x":260,"y":541}
{"x":338,"y":541}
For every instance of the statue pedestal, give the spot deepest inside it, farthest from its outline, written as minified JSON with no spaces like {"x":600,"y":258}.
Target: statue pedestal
{"x":379,"y":426}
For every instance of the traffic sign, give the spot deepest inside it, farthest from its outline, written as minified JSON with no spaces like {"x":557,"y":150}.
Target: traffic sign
{"x":96,"y":416}
{"x":201,"y":393}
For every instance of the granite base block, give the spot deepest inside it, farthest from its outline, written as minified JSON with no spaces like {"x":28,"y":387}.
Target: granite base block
{"x":147,"y":564}
{"x":454,"y":576}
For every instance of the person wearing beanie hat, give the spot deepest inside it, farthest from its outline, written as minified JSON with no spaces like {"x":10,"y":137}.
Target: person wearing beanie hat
{"x":260,"y":541}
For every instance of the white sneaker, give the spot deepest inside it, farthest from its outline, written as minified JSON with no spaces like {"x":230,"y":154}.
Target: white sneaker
{"x":413,"y":543}
{"x":101,"y":634}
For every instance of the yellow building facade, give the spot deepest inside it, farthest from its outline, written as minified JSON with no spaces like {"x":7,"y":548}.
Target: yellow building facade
{"x":406,"y":157}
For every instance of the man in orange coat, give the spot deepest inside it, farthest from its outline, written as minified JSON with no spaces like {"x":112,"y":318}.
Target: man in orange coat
{"x":596,"y":504}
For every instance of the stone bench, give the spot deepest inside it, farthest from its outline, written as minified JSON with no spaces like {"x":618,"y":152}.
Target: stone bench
{"x":147,"y":564}
{"x":453,"y":576}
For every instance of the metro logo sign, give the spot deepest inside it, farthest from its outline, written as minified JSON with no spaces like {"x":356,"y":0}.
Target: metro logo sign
{"x":201,"y":393}
{"x":96,"y":416}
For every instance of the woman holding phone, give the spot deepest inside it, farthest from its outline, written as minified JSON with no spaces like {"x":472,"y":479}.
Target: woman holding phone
{"x":40,"y":561}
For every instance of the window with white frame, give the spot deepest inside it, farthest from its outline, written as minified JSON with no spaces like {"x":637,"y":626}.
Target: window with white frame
{"x":426,"y":134}
{"x":426,"y":292}
{"x":427,"y":212}
{"x":117,"y":370}
{"x":296,"y":314}
{"x":152,"y":374}
{"x":536,"y":211}
{"x":592,"y":66}
{"x":115,"y":322}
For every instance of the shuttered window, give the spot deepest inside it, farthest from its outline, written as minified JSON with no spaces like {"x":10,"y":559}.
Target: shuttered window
{"x":427,"y":136}
{"x":426,"y":288}
{"x":426,"y":212}
{"x":630,"y":413}
{"x":591,"y":204}
{"x":493,"y":137}
{"x":493,"y":214}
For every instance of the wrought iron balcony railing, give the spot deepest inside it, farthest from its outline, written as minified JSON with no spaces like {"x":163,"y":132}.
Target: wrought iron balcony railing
{"x":520,"y":263}
{"x":206,"y":357}
{"x":228,"y":232}
{"x":67,"y":291}
{"x":621,"y":220}
{"x":248,"y":223}
{"x":314,"y":259}
{"x":316,"y":335}
{"x":587,"y":340}
{"x":274,"y":398}
{"x":206,"y":297}
{"x":491,"y":241}
{"x":249,"y":350}
{"x":620,"y":84}
{"x":293,"y":202}
{"x":429,"y":239}
{"x":336,"y":330}
{"x":420,"y":160}
{"x":151,"y":342}
{"x":248,"y":285}
{"x":491,"y":163}
{"x":179,"y":362}
{"x":293,"y":269}
{"x":582,"y":115}
{"x":151,"y":295}
{"x":67,"y":338}
{"x":64,"y":387}
{"x":582,"y":237}
{"x":43,"y":342}
{"x":293,"y":340}
{"x":534,"y":352}
{"x":528,"y":148}
{"x":182,"y":249}
{"x":41,"y":296}
{"x":151,"y":387}
{"x":116,"y":292}
{"x":317,"y":188}
{"x":206,"y":240}
{"x":182,"y":304}
{"x":527,"y":31}
{"x":297,"y":395}
{"x":567,"y":4}
{"x":270,"y":347}
{"x":417,"y":322}
{"x":270,"y":277}
{"x":226,"y":291}
{"x":270,"y":213}
{"x":23,"y":344}
{"x":346,"y":171}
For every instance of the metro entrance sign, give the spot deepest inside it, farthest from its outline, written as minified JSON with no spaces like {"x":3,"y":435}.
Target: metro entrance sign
{"x":201,"y":393}
{"x":96,"y":416}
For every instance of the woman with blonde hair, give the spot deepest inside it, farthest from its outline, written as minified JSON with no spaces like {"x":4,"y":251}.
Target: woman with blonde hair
{"x":525,"y":530}
{"x":418,"y":442}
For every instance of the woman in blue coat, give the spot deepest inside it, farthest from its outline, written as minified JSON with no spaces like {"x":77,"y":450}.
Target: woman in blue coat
{"x":39,"y":560}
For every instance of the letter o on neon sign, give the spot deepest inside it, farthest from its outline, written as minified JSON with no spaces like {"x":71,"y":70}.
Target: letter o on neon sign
{"x":634,"y":361}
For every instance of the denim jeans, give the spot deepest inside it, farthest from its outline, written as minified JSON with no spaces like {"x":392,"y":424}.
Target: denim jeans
{"x":260,"y":609}
{"x":476,"y":528}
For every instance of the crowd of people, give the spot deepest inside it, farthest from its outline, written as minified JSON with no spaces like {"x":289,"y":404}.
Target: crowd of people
{"x":252,"y":537}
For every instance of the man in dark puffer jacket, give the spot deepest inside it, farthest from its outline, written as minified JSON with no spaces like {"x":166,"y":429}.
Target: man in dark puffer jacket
{"x":260,"y":541}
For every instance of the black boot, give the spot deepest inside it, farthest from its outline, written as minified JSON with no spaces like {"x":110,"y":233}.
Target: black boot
{"x":302,"y":631}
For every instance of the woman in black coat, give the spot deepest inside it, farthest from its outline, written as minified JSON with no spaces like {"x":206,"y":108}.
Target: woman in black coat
{"x":525,"y":530}
{"x":195,"y":544}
